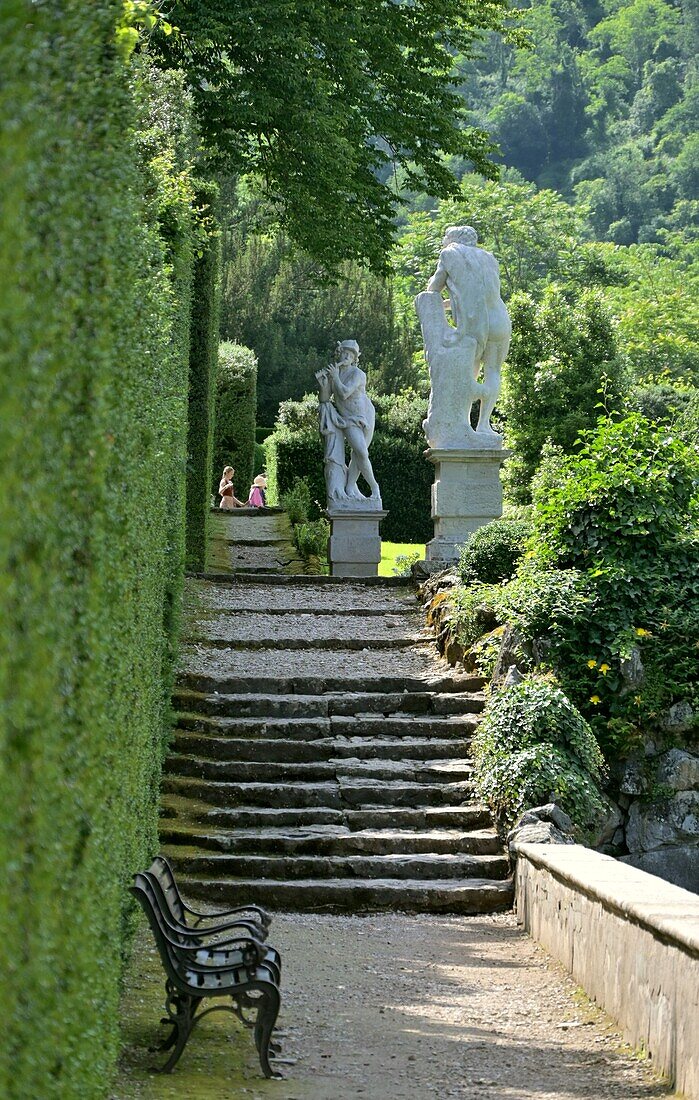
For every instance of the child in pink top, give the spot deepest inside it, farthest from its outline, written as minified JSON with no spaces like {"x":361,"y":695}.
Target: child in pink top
{"x":257,"y":498}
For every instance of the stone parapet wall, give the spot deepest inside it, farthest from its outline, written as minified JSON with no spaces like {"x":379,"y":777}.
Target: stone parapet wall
{"x":630,"y":939}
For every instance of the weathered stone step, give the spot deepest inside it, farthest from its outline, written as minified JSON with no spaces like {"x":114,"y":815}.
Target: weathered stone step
{"x":273,"y":684}
{"x":333,"y":840}
{"x":311,"y":729}
{"x":293,"y":627}
{"x":333,"y":669}
{"x":471,"y":816}
{"x":432,"y":865}
{"x":378,"y":771}
{"x":285,"y":579}
{"x":291,"y":643}
{"x":323,"y":599}
{"x":267,"y":705}
{"x":335,"y":795}
{"x":320,"y":749}
{"x":434,"y":896}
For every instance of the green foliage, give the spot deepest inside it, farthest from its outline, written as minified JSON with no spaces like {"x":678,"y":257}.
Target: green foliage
{"x":282,"y":304}
{"x":625,"y":497}
{"x":295,"y":451}
{"x":533,"y":746}
{"x":236,"y":390}
{"x":203,"y":364}
{"x":96,"y":247}
{"x":404,"y":563}
{"x":297,"y":502}
{"x":622,"y":512}
{"x":562,"y":364}
{"x":492,"y":553}
{"x":324,"y":107}
{"x":312,"y":538}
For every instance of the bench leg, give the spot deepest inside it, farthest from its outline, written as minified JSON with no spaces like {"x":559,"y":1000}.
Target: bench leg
{"x":180,"y":1014}
{"x":267,"y":1012}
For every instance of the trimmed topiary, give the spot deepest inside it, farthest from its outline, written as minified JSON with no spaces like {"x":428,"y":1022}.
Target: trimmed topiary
{"x":491,"y":555}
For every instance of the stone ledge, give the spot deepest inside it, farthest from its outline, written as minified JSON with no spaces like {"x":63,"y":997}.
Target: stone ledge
{"x":664,"y":910}
{"x":629,"y":939}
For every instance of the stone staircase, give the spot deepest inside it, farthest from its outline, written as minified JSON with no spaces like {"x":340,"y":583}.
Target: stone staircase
{"x":321,"y":754}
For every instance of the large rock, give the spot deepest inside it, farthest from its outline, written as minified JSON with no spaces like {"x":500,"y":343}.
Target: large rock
{"x":547,"y":824}
{"x":514,"y":650}
{"x":673,"y":822}
{"x":679,"y":770}
{"x":607,"y":832}
{"x":678,"y":865}
{"x":679,"y":718}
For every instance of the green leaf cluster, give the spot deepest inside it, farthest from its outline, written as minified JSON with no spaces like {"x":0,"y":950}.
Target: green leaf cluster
{"x":533,"y":746}
{"x":324,"y":102}
{"x":492,"y":553}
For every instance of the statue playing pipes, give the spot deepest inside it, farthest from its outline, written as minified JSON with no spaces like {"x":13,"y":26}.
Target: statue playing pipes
{"x":347,"y":416}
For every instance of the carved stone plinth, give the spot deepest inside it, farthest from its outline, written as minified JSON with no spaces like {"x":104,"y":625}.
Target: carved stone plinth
{"x":466,"y":495}
{"x":355,"y":543}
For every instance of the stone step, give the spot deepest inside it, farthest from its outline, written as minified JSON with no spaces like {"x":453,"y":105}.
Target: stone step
{"x":176,"y":808}
{"x":426,"y":866}
{"x":336,"y":669}
{"x":312,"y":729}
{"x":332,"y":840}
{"x":339,"y":795}
{"x":229,"y":596}
{"x":330,"y":703}
{"x":274,"y":684}
{"x":321,"y":749}
{"x":352,"y":645}
{"x":302,"y":628}
{"x":315,"y":581}
{"x":376,"y":771}
{"x":306,"y":895}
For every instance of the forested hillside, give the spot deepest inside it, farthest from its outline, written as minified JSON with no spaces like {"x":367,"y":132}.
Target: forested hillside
{"x":596,"y":122}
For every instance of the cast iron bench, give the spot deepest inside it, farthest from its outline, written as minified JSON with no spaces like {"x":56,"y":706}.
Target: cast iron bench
{"x":188,"y":917}
{"x":199,"y":964}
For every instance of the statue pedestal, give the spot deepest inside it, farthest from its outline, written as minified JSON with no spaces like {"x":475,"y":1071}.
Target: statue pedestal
{"x":354,"y":549}
{"x":466,"y":495}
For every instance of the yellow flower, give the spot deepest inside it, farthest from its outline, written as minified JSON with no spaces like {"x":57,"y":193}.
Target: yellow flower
{"x":595,"y":699}
{"x":604,"y":669}
{"x":592,"y":664}
{"x":643,"y":633}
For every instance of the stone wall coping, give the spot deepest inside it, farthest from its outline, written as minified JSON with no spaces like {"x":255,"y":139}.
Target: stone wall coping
{"x":668,"y":912}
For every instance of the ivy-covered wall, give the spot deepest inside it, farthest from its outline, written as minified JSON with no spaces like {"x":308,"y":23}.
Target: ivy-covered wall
{"x":95,"y":233}
{"x":236,"y":404}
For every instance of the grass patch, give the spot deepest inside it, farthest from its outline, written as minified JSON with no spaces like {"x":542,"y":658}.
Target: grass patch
{"x":391,"y":550}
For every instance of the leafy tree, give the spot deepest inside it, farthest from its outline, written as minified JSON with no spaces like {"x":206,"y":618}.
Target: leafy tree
{"x":279,"y":301}
{"x":563,"y":361}
{"x":324,"y":100}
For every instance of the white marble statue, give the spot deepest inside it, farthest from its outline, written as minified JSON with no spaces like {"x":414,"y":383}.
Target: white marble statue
{"x":464,"y":357}
{"x":346,"y":416}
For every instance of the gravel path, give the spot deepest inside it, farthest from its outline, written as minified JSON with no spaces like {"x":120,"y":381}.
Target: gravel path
{"x":309,"y":627}
{"x":398,"y":1007}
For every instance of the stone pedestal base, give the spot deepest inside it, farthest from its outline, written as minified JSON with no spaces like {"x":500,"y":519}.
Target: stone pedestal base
{"x":466,"y":495}
{"x":354,"y":549}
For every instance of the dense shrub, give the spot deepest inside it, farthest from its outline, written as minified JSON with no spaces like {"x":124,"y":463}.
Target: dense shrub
{"x":236,"y":398}
{"x":562,"y":364}
{"x":492,"y":553}
{"x":312,"y":538}
{"x":203,"y":364}
{"x":404,"y":476}
{"x":534,"y":746}
{"x":96,"y":250}
{"x":297,"y":503}
{"x":612,"y":588}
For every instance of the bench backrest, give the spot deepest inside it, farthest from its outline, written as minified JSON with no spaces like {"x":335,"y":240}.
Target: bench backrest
{"x":162,"y":871}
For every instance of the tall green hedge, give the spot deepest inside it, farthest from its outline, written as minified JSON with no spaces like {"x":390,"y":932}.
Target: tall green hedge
{"x":95,"y":241}
{"x":236,"y":404}
{"x":404,"y":475}
{"x":203,"y":363}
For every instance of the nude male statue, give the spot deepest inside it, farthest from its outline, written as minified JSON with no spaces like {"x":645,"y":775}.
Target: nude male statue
{"x":477,"y":342}
{"x":350,"y":417}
